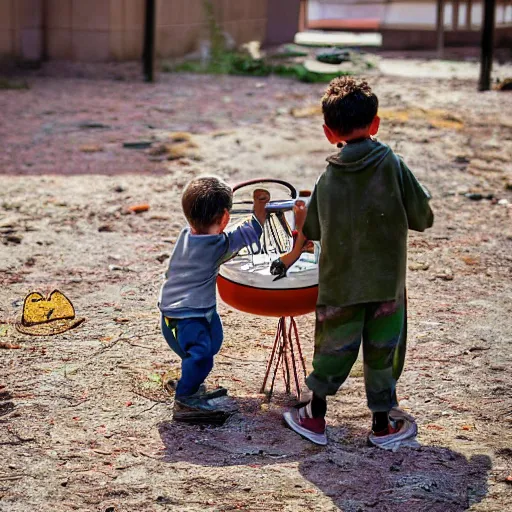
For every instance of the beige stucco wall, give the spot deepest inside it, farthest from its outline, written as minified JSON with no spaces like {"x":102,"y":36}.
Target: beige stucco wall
{"x":182,"y":23}
{"x":103,"y":30}
{"x":95,"y":30}
{"x":20,"y":28}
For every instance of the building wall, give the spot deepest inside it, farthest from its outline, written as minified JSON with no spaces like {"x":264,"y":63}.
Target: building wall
{"x":406,"y":13}
{"x":95,"y":30}
{"x":104,"y":30}
{"x":181,"y":24}
{"x":21,"y":28}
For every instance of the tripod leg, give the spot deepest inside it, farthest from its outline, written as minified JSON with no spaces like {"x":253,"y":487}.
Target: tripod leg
{"x":278,"y":363}
{"x":272,"y":355}
{"x":286,"y":358}
{"x":292,"y":353}
{"x":299,"y":348}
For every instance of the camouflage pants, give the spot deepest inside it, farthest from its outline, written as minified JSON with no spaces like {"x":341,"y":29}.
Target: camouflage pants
{"x":382,"y":328}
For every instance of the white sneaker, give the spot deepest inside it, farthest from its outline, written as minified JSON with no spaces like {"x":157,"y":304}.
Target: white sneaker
{"x":402,"y":427}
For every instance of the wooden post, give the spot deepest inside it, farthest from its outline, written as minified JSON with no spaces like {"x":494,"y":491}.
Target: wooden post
{"x":469,"y":8}
{"x":455,"y":14}
{"x":440,"y":28}
{"x":487,"y":45}
{"x":44,"y":30}
{"x":303,"y":15}
{"x":149,"y":41}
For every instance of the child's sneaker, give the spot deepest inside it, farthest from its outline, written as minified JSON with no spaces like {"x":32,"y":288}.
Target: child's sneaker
{"x":170,"y":387}
{"x":300,"y":420}
{"x":401,"y":427}
{"x":197,"y":409}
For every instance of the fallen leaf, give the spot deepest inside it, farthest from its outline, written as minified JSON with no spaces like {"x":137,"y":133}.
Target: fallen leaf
{"x":7,"y":345}
{"x":435,"y":427}
{"x":139,"y":208}
{"x":469,"y":260}
{"x":312,"y":110}
{"x":91,"y":148}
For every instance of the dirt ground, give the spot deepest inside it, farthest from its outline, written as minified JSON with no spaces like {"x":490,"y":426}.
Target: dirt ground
{"x":84,"y":423}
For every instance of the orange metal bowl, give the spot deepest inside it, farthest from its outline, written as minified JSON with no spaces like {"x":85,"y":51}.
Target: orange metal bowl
{"x":265,"y":302}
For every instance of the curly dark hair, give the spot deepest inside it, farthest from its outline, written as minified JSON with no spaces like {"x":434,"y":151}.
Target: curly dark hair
{"x":349,"y":105}
{"x":204,"y":202}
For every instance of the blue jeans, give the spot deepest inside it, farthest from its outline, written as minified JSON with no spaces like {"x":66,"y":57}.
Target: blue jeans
{"x":196,"y":341}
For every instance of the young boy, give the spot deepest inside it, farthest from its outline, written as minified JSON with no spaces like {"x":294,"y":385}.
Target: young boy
{"x":190,"y":323}
{"x":360,"y":211}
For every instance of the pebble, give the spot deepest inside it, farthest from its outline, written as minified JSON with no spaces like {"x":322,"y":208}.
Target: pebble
{"x":503,"y":202}
{"x":14,"y":239}
{"x":162,"y":257}
{"x":114,"y":268}
{"x":419,"y":265}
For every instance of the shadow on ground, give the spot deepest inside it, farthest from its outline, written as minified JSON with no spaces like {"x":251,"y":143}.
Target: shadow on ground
{"x":353,"y":476}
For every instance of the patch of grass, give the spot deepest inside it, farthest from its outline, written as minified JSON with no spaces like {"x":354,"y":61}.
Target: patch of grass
{"x":13,"y":85}
{"x":223,"y":62}
{"x":290,"y":52}
{"x":232,"y":63}
{"x":302,"y":74}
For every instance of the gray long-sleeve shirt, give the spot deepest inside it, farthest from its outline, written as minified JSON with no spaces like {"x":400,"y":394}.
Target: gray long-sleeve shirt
{"x":189,"y":288}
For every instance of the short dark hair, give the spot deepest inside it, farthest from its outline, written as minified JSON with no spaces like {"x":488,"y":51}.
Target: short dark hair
{"x":205,"y":200}
{"x":349,"y":105}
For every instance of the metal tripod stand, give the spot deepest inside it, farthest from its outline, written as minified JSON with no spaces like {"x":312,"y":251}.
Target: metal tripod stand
{"x":287,"y":355}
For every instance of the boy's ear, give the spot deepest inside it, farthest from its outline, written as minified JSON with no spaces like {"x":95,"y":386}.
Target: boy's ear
{"x":374,"y":127}
{"x":331,"y":136}
{"x":224,"y":220}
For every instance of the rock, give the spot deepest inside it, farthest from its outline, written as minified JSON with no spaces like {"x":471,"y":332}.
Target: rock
{"x":419,"y":265}
{"x":334,"y":56}
{"x":30,"y":262}
{"x":114,"y":268}
{"x":105,"y":228}
{"x":503,"y":202}
{"x":119,"y":188}
{"x":474,"y":196}
{"x":505,"y":85}
{"x":92,"y":125}
{"x":253,"y":49}
{"x":162,"y":257}
{"x":446,"y":275}
{"x":13,"y":239}
{"x":159,"y":150}
{"x":142,"y":144}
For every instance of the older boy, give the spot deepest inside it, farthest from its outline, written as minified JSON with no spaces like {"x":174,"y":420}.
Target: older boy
{"x":360,"y":211}
{"x":190,"y":323}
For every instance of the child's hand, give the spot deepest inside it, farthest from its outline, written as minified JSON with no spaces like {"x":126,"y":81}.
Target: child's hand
{"x":300,"y":211}
{"x":260,"y":198}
